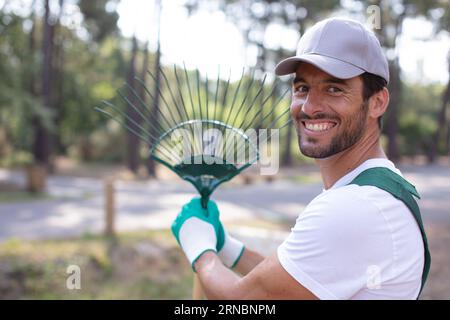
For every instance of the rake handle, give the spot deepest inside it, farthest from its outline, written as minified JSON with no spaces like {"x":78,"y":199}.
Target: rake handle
{"x":197,"y":291}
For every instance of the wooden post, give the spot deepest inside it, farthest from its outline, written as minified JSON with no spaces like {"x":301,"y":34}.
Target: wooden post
{"x":109,"y":207}
{"x":197,"y":291}
{"x":36,"y":178}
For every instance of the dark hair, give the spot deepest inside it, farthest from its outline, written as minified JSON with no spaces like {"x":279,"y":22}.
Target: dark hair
{"x":371,"y":85}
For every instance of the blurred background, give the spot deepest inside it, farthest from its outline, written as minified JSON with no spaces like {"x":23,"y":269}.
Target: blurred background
{"x":78,"y":190}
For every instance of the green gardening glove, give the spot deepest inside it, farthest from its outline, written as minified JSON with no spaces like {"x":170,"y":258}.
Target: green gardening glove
{"x":198,"y":230}
{"x":196,"y":237}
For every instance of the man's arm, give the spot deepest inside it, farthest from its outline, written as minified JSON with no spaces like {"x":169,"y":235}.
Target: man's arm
{"x":268,"y":280}
{"x":248,"y":261}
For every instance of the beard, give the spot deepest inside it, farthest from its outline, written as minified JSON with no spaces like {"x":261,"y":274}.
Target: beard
{"x":352,"y":129}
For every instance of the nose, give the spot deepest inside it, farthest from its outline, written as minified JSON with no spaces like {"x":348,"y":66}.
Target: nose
{"x":313,"y":103}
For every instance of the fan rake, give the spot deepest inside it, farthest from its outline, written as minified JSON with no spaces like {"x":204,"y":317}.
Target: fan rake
{"x":207,"y":132}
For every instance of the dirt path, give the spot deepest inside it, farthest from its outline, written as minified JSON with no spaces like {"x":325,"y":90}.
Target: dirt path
{"x":76,"y":207}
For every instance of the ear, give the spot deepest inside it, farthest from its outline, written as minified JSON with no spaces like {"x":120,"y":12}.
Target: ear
{"x":378,"y":103}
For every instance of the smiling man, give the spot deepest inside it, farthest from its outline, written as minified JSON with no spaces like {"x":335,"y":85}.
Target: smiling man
{"x":362,"y":237}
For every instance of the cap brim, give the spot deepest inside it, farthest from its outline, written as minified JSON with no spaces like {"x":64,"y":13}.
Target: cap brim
{"x":337,"y":68}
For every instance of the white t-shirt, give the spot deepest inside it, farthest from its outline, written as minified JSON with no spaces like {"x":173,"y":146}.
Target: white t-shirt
{"x":356,"y":242}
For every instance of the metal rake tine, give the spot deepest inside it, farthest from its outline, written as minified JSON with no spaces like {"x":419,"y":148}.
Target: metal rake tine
{"x":207,"y":96}
{"x":274,"y":107}
{"x":228,"y":146}
{"x":163,"y":98}
{"x":217,"y":92}
{"x":137,"y":109}
{"x":189,"y":90}
{"x":148,"y":134}
{"x":181,"y":94}
{"x":155,"y":138}
{"x":154,"y":129}
{"x":261,"y":108}
{"x":249,"y":88}
{"x":199,"y":106}
{"x":180,"y":91}
{"x":144,"y":138}
{"x":199,"y":93}
{"x":191,"y":100}
{"x":192,"y":104}
{"x":162,"y":129}
{"x":247,"y":145}
{"x":279,"y":128}
{"x":260,"y":90}
{"x":168,"y":151}
{"x":208,"y":124}
{"x":278,"y":118}
{"x":128,"y":118}
{"x":224,"y":96}
{"x":166,"y":80}
{"x":247,"y":92}
{"x":235,"y":95}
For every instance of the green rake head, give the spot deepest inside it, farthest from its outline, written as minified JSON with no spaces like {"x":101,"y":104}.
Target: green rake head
{"x":205,"y":135}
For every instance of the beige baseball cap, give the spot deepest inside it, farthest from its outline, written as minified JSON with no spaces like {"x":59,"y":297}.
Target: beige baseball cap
{"x":341,"y":47}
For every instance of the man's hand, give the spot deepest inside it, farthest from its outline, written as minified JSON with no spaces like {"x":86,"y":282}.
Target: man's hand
{"x":231,"y":251}
{"x":198,"y":230}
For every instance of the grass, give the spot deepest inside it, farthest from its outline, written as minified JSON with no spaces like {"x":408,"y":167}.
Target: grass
{"x":143,"y":265}
{"x":22,"y":196}
{"x":303,"y":179}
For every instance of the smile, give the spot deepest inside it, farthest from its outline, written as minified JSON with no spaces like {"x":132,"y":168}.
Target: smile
{"x":319,"y":126}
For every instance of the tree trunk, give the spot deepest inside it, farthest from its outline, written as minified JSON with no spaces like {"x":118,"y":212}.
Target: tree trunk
{"x":150,"y":164}
{"x":447,"y":142}
{"x":391,"y":128}
{"x":133,"y":140}
{"x":32,"y":47}
{"x":42,"y":143}
{"x":58,"y":71}
{"x":442,"y":122}
{"x":287,"y":157}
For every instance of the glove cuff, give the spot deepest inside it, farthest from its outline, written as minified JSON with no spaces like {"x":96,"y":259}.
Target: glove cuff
{"x":196,"y":237}
{"x":231,"y":252}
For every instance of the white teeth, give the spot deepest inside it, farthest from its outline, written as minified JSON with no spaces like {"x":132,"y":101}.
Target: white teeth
{"x":318,"y":126}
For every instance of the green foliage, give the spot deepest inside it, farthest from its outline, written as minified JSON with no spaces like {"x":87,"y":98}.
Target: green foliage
{"x":95,"y":67}
{"x":137,"y":266}
{"x":98,"y":18}
{"x":419,"y":109}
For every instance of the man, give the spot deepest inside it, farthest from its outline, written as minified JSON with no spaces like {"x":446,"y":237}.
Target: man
{"x":362,"y":237}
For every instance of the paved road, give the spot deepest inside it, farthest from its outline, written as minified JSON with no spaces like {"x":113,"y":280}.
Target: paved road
{"x":76,"y":205}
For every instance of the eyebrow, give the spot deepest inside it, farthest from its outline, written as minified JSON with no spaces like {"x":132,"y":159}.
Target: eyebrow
{"x":328,"y":80}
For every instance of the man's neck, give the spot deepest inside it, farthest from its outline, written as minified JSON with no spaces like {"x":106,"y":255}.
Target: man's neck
{"x":335,"y":167}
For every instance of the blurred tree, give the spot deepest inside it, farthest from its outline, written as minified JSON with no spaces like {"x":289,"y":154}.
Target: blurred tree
{"x":43,"y":60}
{"x":133,"y":141}
{"x":157,"y":82}
{"x":100,"y":18}
{"x":99,"y":22}
{"x":393,"y":15}
{"x":42,"y":143}
{"x":253,"y":18}
{"x":442,"y":133}
{"x":420,"y":106}
{"x":16,"y":104}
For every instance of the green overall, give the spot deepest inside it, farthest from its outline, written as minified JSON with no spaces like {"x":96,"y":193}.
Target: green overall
{"x":401,"y":189}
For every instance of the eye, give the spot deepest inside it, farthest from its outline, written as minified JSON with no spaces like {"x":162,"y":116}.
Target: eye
{"x":334,"y":90}
{"x":300,"y":88}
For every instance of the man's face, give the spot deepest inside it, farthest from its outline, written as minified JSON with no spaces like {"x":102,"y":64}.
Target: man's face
{"x":329,"y":113}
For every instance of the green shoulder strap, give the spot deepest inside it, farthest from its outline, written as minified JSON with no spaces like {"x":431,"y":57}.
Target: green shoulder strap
{"x":401,"y":189}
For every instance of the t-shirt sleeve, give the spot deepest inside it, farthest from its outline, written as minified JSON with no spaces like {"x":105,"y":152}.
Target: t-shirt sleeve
{"x":327,"y":249}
